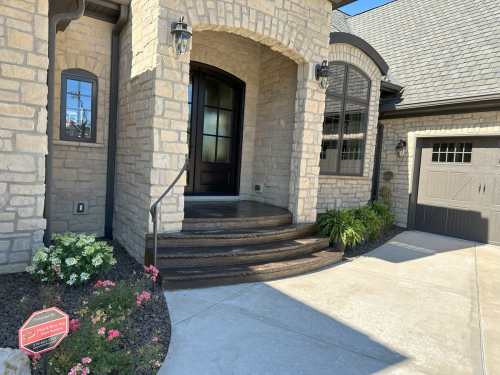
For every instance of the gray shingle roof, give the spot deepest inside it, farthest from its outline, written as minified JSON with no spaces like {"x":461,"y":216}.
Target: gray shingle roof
{"x":338,"y":24}
{"x":439,"y":49}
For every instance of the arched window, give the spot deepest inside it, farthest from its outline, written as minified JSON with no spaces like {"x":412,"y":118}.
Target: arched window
{"x":78,"y":106}
{"x":344,"y":126}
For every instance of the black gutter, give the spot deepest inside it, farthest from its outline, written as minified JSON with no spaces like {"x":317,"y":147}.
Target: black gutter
{"x":113,"y":121}
{"x":54,"y":21}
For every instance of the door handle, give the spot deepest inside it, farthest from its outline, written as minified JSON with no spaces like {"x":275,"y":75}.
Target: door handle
{"x":479,"y":191}
{"x":484,"y":188}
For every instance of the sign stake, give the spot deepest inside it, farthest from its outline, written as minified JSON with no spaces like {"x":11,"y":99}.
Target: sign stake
{"x":44,"y":363}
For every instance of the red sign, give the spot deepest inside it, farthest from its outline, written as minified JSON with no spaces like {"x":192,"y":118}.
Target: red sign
{"x":43,"y":331}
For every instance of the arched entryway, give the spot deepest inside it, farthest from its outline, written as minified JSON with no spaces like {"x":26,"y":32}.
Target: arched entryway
{"x":214,"y":131}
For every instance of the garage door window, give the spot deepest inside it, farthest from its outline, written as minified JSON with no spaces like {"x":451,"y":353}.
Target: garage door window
{"x":452,"y":152}
{"x":344,"y":126}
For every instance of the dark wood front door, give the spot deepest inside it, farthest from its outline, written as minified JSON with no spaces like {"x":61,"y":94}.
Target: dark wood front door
{"x":215,"y":102}
{"x":459,"y":188}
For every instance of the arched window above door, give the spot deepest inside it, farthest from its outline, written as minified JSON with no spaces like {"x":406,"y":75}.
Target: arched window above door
{"x":345,"y":121}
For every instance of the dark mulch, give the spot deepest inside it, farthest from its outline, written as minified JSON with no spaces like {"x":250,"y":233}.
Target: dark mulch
{"x":353,"y":252}
{"x":145,"y":321}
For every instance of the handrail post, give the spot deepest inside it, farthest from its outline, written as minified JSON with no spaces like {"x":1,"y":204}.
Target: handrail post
{"x":155,"y":245}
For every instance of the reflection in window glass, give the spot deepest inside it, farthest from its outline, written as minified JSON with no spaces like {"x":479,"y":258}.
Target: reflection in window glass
{"x":208,"y":150}
{"x":336,"y":79}
{"x":78,"y":109}
{"x":331,"y":122}
{"x":357,"y":85}
{"x":355,"y":119}
{"x":328,"y":158}
{"x":352,"y":156}
{"x":211,"y":93}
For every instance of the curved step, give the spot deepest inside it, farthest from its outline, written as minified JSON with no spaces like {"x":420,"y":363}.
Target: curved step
{"x":231,"y":215}
{"x":191,"y":256}
{"x":242,"y":236}
{"x":209,"y":276}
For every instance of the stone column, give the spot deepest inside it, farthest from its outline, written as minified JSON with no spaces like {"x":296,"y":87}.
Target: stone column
{"x":306,"y":148}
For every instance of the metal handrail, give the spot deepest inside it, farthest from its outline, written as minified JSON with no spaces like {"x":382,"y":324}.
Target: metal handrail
{"x":154,"y":212}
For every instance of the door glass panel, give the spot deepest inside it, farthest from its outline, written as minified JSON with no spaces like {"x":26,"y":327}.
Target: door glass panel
{"x":336,"y":79}
{"x":190,"y":89}
{"x":210,"y":121}
{"x":226,"y":97}
{"x":352,"y":156}
{"x":223,"y":150}
{"x":328,"y":161}
{"x":225,"y":123}
{"x":357,"y":85}
{"x":208,"y":153}
{"x":211,"y":92}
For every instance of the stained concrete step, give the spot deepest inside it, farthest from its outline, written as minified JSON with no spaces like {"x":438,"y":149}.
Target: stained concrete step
{"x":231,"y":215}
{"x":191,"y":256}
{"x":209,"y":276}
{"x":241,"y":236}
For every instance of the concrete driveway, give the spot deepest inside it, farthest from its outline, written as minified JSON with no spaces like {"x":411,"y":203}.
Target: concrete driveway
{"x":420,"y":304}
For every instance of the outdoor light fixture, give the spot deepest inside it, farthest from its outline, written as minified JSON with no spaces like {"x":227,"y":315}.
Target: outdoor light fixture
{"x":401,"y":147}
{"x":322,"y":73}
{"x":181,"y":37}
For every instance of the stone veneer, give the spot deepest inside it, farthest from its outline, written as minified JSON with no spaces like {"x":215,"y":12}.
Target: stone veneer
{"x":23,"y":122}
{"x":80,"y":168}
{"x":343,"y":191}
{"x":411,"y":128}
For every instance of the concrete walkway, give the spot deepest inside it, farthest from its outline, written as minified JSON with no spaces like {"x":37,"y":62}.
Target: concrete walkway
{"x":409,"y":307}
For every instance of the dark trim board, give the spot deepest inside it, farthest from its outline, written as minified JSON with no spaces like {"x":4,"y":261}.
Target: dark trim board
{"x":363,"y":45}
{"x":412,"y":200}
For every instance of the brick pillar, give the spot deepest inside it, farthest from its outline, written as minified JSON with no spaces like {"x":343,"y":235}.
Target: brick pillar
{"x":306,"y":148}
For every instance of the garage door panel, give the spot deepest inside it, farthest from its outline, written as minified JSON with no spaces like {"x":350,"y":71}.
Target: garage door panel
{"x":462,"y":184}
{"x":456,"y":222}
{"x":495,"y":227}
{"x":436,"y":184}
{"x":496,"y":192}
{"x":431,"y":218}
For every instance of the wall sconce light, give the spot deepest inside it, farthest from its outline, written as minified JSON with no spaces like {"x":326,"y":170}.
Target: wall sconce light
{"x":181,"y":37}
{"x":322,"y":73}
{"x":401,"y":148}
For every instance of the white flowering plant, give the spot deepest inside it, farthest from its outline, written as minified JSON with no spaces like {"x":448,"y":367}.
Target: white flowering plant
{"x":72,"y":259}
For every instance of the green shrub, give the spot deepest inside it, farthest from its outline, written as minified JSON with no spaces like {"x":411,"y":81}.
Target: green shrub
{"x":341,"y":226}
{"x":100,"y":338}
{"x":383,"y":211}
{"x":72,"y":259}
{"x":370,"y":220}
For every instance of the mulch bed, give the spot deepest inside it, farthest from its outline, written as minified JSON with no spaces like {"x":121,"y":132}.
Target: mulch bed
{"x":145,"y":321}
{"x":354,"y":252}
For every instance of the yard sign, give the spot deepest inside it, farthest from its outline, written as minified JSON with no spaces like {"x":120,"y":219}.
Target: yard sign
{"x":43,"y":331}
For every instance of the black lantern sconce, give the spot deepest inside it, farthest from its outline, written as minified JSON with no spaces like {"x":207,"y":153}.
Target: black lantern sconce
{"x":322,"y":73}
{"x":401,"y":148}
{"x":181,"y":37}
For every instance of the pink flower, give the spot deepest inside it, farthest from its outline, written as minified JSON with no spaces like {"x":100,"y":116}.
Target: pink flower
{"x":40,"y":272}
{"x":35,"y":357}
{"x":155,"y":338}
{"x":138,"y":303}
{"x":113,"y":333}
{"x":86,"y":360}
{"x":58,"y":298}
{"x":73,"y":324}
{"x":101,"y":331}
{"x":107,"y":289}
{"x":98,"y":284}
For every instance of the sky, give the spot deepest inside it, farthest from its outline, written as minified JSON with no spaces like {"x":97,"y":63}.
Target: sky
{"x":362,"y":5}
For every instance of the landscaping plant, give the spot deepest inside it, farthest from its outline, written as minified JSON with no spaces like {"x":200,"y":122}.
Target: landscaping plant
{"x":383,"y":211}
{"x":386,"y":191}
{"x":370,"y":220}
{"x":72,"y":259}
{"x":341,"y":226}
{"x":102,"y":340}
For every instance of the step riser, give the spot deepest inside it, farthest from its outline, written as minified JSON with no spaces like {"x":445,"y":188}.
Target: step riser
{"x":211,"y":224}
{"x":226,"y":259}
{"x":240,"y":279}
{"x":240,"y":239}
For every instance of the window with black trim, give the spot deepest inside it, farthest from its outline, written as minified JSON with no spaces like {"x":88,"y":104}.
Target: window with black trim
{"x":78,"y":106}
{"x":344,"y":126}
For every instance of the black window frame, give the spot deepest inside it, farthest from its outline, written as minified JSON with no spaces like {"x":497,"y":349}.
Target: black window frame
{"x":344,"y":98}
{"x":83,"y":76}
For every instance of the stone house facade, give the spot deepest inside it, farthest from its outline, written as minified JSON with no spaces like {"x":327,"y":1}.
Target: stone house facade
{"x":126,"y":110}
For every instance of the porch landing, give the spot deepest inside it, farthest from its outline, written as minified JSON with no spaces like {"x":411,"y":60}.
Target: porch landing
{"x":226,"y":243}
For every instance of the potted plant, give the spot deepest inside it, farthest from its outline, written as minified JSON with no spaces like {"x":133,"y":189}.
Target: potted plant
{"x":342,"y":228}
{"x":370,"y":220}
{"x":383,"y":211}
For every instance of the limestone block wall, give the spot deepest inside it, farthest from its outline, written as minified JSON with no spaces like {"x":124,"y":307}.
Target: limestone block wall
{"x":240,"y":57}
{"x":23,"y":123}
{"x":411,"y":128}
{"x":80,"y":168}
{"x":343,"y":191}
{"x":275,"y":125}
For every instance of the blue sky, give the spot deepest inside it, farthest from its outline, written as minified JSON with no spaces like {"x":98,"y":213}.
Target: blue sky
{"x":362,"y":5}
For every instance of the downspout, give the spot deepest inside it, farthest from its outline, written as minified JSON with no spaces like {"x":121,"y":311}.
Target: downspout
{"x":54,"y":21}
{"x":113,"y":121}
